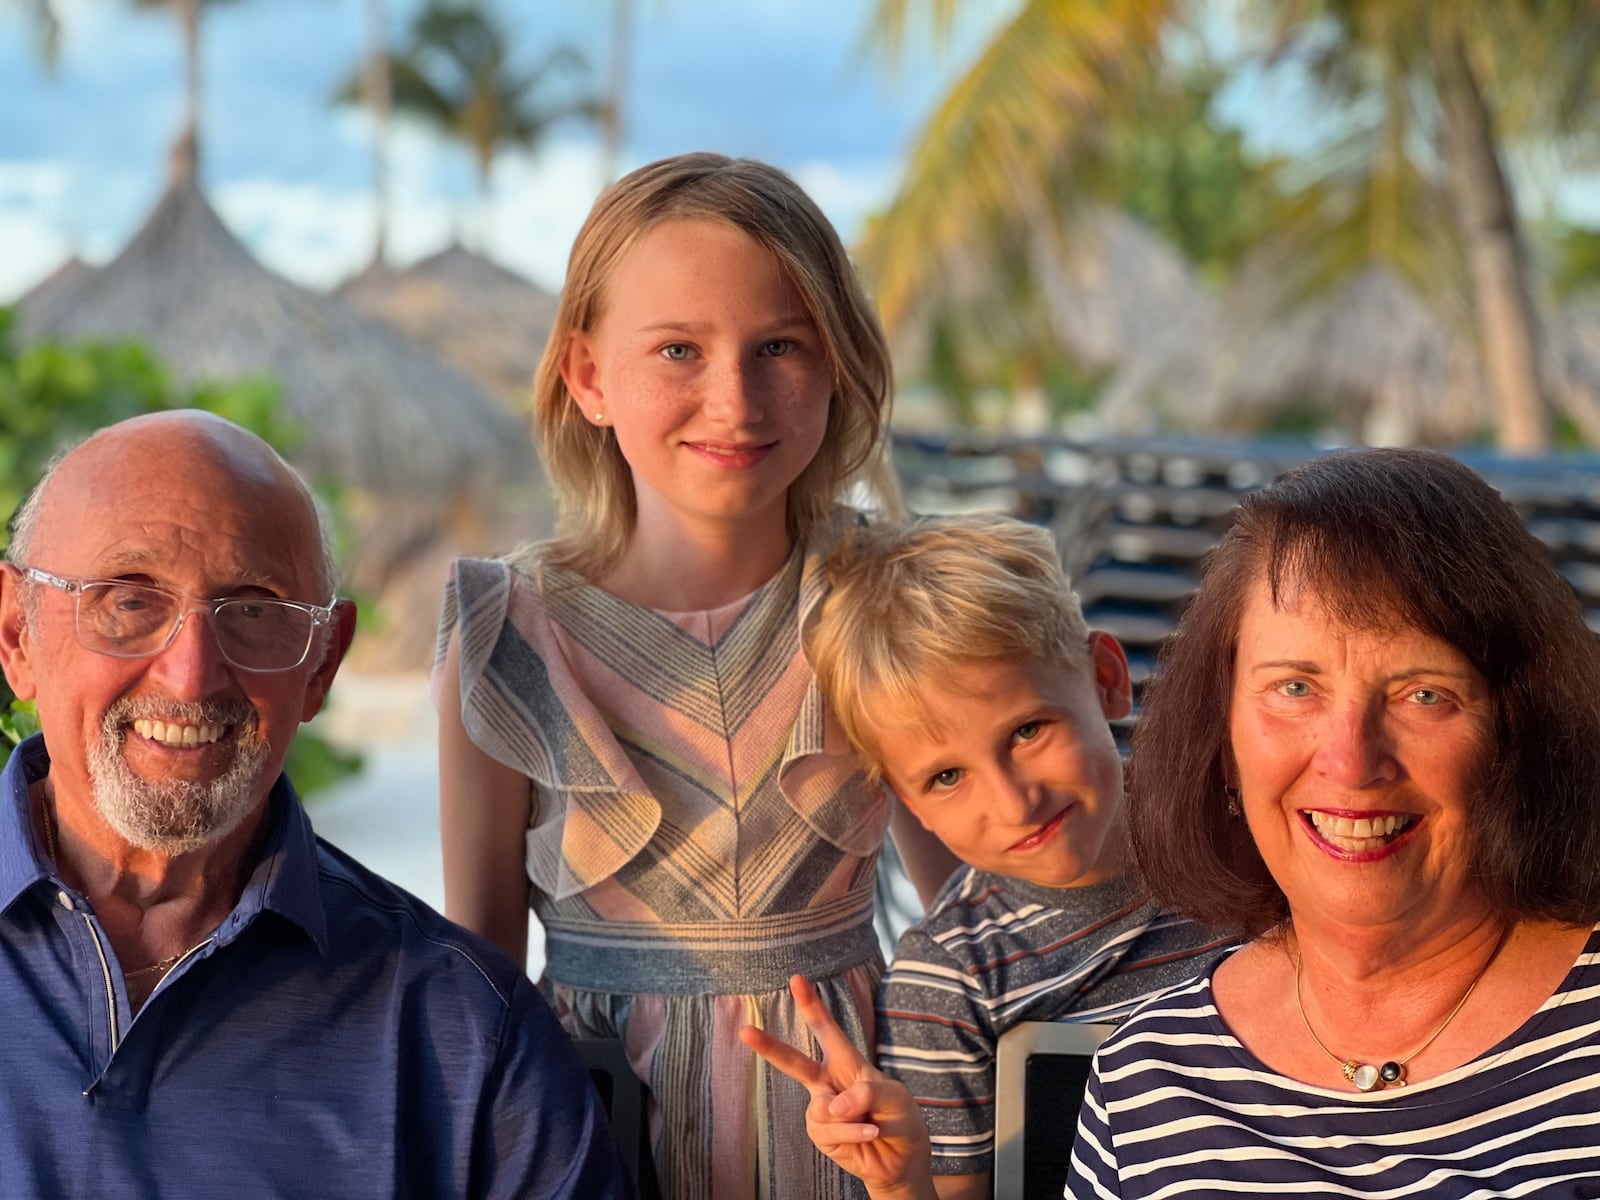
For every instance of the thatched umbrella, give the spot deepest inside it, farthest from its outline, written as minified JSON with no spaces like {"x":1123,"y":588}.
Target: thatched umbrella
{"x":381,"y":414}
{"x":1116,"y":293}
{"x":1371,"y":359}
{"x":423,"y":453}
{"x":486,"y":321}
{"x":1572,"y":363}
{"x":70,"y":269}
{"x":1108,"y":292}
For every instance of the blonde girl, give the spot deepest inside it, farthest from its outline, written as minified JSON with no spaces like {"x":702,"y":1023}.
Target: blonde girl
{"x":630,"y":736}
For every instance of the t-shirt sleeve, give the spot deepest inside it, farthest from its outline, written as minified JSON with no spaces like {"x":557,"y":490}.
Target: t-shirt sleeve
{"x":935,"y":1036}
{"x":542,"y":1130}
{"x":1094,"y":1160}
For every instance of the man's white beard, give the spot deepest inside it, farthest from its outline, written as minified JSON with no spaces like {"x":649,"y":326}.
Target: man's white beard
{"x":175,"y":816}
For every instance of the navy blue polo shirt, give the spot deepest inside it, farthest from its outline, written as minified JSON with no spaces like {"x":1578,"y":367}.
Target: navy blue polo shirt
{"x":335,"y":1037}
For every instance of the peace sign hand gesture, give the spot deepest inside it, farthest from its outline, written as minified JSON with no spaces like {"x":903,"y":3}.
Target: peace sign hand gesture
{"x":867,"y":1123}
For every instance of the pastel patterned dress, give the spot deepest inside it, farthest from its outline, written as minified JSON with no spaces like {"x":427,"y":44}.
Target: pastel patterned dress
{"x":700,"y":833}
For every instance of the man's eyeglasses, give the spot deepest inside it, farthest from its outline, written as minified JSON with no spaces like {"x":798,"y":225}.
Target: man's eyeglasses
{"x":138,"y":620}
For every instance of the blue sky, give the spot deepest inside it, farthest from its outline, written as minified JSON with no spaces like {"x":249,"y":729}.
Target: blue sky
{"x":83,"y":150}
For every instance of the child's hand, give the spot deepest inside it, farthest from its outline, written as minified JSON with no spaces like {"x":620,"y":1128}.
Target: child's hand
{"x":867,"y":1123}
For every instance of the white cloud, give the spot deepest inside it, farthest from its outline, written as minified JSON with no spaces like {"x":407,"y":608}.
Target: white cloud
{"x":290,"y":184}
{"x":538,"y":206}
{"x":318,"y":237}
{"x":46,"y":217}
{"x":33,"y":182}
{"x":847,"y":196}
{"x":302,"y":230}
{"x":79,"y":18}
{"x":33,"y":250}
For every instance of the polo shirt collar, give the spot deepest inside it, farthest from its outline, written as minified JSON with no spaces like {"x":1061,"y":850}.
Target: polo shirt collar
{"x":284,"y":879}
{"x":21,"y":852}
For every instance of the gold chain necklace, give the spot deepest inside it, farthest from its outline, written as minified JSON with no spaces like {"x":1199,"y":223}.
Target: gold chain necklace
{"x":166,"y":964}
{"x":47,"y":810}
{"x":1365,"y":1076}
{"x":47,"y":813}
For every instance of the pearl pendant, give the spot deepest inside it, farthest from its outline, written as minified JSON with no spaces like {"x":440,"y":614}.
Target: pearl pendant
{"x":1366,"y":1077}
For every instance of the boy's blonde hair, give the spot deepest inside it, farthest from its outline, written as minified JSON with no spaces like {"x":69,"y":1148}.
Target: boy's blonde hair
{"x":906,"y":602}
{"x":592,"y":482}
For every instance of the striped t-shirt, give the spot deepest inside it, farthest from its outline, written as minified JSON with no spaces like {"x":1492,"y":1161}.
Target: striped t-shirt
{"x":1177,"y":1107}
{"x":993,"y":952}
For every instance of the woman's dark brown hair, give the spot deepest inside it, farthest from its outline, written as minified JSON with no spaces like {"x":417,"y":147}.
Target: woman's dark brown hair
{"x":1383,"y":538}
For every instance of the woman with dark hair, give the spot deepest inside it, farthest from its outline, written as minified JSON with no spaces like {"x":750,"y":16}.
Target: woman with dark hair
{"x":1373,"y":746}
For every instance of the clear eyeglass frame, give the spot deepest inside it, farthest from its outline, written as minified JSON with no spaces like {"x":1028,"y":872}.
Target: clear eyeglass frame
{"x":101,"y":643}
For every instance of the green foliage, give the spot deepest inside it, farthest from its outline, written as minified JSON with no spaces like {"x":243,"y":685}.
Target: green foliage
{"x":1163,"y":156}
{"x":1399,"y":117}
{"x":18,"y":720}
{"x":1069,"y":388}
{"x":53,"y":395}
{"x":1308,"y":419}
{"x":316,"y":765}
{"x":1189,"y":177}
{"x":1567,"y":435}
{"x":1577,"y":253}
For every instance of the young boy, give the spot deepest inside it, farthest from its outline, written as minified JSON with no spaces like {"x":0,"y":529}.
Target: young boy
{"x":955,"y":656}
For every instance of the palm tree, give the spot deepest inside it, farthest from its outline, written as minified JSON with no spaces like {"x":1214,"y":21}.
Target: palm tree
{"x":186,"y":150}
{"x":1450,"y":82}
{"x":45,"y":19}
{"x":1008,"y":187}
{"x":46,"y":24}
{"x":1486,"y":75}
{"x":377,"y":94}
{"x":615,"y":108}
{"x":1031,"y":109}
{"x":456,"y":73}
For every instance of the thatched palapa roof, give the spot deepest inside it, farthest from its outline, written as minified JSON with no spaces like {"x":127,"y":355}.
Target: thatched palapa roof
{"x":486,"y":321}
{"x":1371,"y":357}
{"x":1117,"y":293}
{"x":381,"y":414}
{"x":1112,"y":294}
{"x":1572,"y":363}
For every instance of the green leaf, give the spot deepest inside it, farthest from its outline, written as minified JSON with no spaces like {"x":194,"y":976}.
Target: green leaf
{"x":314,"y":765}
{"x":18,"y":720}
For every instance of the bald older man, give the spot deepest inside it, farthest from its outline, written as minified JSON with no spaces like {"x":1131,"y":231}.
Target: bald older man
{"x":199,"y":997}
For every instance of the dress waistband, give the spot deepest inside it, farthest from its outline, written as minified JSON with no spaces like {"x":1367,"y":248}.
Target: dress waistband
{"x":743,"y":956}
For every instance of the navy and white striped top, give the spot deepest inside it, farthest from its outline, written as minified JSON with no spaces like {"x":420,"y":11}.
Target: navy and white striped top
{"x":1177,"y":1107}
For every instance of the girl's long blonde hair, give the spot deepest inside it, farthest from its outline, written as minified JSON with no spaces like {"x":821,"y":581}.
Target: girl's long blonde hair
{"x":592,"y":482}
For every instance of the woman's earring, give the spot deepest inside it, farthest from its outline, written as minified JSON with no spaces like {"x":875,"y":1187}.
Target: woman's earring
{"x":1232,"y":793}
{"x":599,"y":417}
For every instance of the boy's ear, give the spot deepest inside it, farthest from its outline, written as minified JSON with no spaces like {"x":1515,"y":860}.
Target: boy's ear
{"x":580,"y":371}
{"x":1111,"y":682}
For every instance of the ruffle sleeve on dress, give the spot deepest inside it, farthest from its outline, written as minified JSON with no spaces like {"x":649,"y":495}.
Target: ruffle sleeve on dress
{"x":521,"y":705}
{"x":820,"y":775}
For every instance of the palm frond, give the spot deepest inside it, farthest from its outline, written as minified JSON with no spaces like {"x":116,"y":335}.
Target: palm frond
{"x":890,"y":27}
{"x":1038,"y":99}
{"x":416,"y":95}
